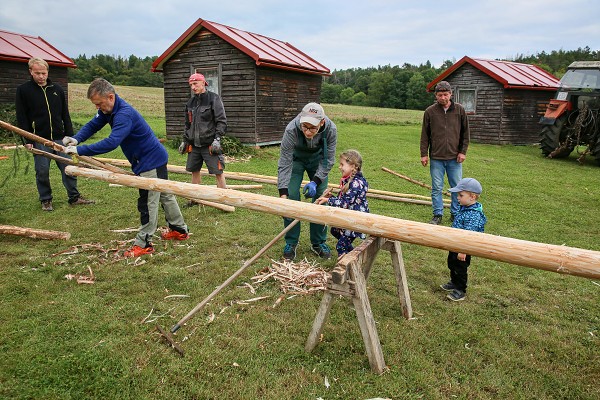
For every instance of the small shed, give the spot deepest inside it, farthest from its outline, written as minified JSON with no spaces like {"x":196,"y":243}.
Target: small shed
{"x":15,"y":51}
{"x":504,"y":99}
{"x":263,"y":82}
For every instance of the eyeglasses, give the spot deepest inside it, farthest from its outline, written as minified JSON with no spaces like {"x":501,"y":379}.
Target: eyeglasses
{"x":311,"y":128}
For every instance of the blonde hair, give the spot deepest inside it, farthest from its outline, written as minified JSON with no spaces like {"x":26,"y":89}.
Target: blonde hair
{"x":37,"y":60}
{"x":353,"y":158}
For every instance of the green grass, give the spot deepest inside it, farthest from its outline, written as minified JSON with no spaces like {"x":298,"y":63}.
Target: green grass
{"x":521,"y":334}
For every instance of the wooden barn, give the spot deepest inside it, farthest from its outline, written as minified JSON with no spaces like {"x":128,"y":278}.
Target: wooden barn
{"x":15,"y":51}
{"x":504,"y":99}
{"x":263,"y":82}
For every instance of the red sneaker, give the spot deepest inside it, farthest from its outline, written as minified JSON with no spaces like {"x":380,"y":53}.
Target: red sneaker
{"x":137,"y":251}
{"x":174,"y":235}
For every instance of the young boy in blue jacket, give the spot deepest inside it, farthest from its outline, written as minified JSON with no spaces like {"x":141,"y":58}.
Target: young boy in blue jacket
{"x":470,"y":216}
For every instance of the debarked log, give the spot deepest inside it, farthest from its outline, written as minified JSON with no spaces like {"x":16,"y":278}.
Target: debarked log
{"x":33,"y":233}
{"x":548,"y":257}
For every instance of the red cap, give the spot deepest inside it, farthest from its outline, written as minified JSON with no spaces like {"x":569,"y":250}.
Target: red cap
{"x":197,"y":77}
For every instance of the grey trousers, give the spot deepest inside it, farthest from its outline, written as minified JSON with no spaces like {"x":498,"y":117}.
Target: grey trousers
{"x":148,"y":207}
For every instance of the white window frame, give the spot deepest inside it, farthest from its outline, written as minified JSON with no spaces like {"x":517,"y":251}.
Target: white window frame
{"x":470,"y":106}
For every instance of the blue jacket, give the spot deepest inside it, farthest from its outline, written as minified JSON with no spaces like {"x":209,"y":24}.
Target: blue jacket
{"x":128,"y":130}
{"x":470,"y":218}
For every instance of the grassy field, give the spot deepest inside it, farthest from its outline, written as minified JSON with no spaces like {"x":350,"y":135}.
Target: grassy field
{"x":520,"y":334}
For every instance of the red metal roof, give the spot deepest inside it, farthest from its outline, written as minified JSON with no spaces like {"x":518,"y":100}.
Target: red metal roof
{"x":264,"y":50}
{"x":20,"y":48}
{"x":511,"y":75}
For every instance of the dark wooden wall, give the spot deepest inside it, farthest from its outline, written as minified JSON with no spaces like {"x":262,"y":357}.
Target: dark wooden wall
{"x":280,"y":97}
{"x":13,"y":74}
{"x":502,"y":116}
{"x":521,"y":114}
{"x":259,"y":101}
{"x":485,"y":124}
{"x":237,"y":85}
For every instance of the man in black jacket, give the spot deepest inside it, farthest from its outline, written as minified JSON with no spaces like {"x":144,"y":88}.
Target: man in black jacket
{"x":41,"y":109}
{"x":205,"y":124}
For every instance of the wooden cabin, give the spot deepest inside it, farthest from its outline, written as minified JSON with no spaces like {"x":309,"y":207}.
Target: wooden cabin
{"x":504,"y":99}
{"x":15,"y":51}
{"x":263,"y":82}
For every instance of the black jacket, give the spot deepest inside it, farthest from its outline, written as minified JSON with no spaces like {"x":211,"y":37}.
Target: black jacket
{"x":43,"y":111}
{"x":204,"y":119}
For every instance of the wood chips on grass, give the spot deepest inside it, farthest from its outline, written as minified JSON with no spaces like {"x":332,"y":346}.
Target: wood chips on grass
{"x":303,"y":277}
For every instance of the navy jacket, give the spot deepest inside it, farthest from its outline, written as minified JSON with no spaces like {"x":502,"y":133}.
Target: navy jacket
{"x":130,"y":131}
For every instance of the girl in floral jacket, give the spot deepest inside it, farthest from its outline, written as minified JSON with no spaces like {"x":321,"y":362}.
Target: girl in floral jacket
{"x":352,"y":196}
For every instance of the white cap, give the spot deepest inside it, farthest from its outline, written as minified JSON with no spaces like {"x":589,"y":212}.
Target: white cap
{"x":312,"y":113}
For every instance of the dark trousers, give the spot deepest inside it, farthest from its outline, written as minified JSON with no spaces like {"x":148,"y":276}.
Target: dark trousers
{"x":458,"y":270}
{"x":42,"y":174}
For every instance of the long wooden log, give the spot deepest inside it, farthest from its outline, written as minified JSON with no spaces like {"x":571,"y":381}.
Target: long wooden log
{"x":245,"y":176}
{"x":58,"y":147}
{"x":64,"y":160}
{"x":411,"y":180}
{"x":33,"y":233}
{"x":548,"y":257}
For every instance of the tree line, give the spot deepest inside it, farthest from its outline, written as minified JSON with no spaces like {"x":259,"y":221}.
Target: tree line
{"x":402,"y":87}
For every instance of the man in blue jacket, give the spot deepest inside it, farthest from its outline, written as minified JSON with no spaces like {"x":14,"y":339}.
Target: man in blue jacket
{"x":41,"y":109}
{"x":146,"y":154}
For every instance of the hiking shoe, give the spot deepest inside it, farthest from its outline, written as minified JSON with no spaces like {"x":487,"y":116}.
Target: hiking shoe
{"x":174,"y":235}
{"x":47,"y":205}
{"x":322,"y":250}
{"x":456,"y":295}
{"x":137,"y":251}
{"x":436,"y":220}
{"x":81,"y":201}
{"x":448,"y":286}
{"x":289,"y":251}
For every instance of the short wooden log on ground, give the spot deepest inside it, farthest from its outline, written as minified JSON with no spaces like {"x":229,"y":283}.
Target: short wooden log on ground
{"x":548,"y":257}
{"x":34,"y":233}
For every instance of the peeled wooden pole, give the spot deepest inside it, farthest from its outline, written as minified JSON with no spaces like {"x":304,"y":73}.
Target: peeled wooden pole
{"x":58,"y":147}
{"x":33,"y":233}
{"x":548,"y":257}
{"x":411,"y":180}
{"x":244,"y":176}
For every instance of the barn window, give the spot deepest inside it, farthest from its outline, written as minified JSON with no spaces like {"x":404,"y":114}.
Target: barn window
{"x":466,"y":97}
{"x":212,"y":75}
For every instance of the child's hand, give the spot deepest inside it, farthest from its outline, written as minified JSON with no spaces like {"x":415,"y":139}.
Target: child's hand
{"x":461,"y":257}
{"x":321,"y":200}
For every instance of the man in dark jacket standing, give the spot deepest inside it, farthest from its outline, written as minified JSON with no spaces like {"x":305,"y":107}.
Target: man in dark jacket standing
{"x":205,"y":124}
{"x":41,"y":109}
{"x":444,"y":143}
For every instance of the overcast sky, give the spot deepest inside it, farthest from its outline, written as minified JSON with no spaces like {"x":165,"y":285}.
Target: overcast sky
{"x":339,"y":34}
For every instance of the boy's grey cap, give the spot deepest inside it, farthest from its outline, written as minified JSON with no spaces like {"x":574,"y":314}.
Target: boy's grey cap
{"x":467,"y":185}
{"x":443,"y":86}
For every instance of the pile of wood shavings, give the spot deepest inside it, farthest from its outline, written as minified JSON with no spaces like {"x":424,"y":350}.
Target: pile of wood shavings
{"x":298,"y":278}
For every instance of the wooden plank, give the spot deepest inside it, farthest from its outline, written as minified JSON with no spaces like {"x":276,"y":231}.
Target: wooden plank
{"x":368,"y":329}
{"x":401,"y":279}
{"x":319,"y":322}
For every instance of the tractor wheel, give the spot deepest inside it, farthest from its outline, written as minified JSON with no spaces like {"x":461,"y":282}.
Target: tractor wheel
{"x":552,"y":136}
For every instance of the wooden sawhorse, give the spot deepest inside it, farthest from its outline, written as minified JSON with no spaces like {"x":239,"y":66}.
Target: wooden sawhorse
{"x":349,"y":279}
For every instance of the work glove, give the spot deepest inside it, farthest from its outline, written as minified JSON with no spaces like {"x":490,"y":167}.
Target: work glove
{"x":310,"y":189}
{"x":71,"y":150}
{"x":183,"y":148}
{"x":69,"y":141}
{"x":215,"y":147}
